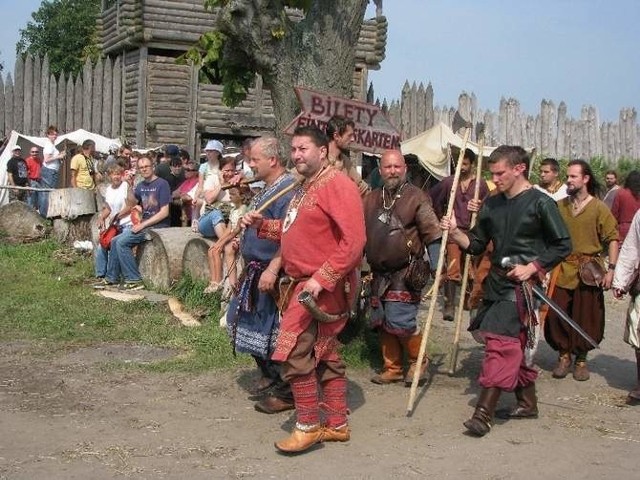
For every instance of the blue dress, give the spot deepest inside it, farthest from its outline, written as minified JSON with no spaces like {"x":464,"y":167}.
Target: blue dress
{"x":252,"y":317}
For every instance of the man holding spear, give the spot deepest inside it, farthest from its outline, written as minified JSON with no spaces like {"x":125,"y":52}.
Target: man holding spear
{"x":524,"y":225}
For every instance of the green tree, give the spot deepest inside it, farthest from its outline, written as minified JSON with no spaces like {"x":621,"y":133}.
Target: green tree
{"x":66,"y":31}
{"x":313,"y":46}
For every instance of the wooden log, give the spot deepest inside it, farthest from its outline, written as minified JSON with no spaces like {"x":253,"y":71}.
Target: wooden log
{"x":107,"y":97}
{"x":53,"y":95}
{"x":70,"y":203}
{"x":194,"y":258}
{"x":21,"y":223}
{"x":78,"y":103}
{"x":44,"y":89}
{"x":96,"y":93}
{"x":87,"y":83}
{"x":93,"y":228}
{"x":18,"y":92}
{"x":69,"y":112}
{"x":27,"y":116}
{"x":61,"y":100}
{"x":2,"y":108}
{"x":37,"y":97}
{"x":116,"y":112}
{"x":160,"y":258}
{"x":8,"y":105}
{"x":69,"y":231}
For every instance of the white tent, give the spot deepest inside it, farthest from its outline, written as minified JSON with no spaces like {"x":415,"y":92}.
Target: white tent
{"x":432,"y":149}
{"x":26,"y":142}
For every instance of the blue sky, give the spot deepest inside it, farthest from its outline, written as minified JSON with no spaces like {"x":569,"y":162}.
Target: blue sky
{"x":580,"y":51}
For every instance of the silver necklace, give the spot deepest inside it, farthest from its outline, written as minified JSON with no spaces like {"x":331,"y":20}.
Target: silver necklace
{"x":385,"y":216}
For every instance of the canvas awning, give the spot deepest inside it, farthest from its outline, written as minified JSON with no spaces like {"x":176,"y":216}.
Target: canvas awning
{"x":103,"y":144}
{"x":432,"y":149}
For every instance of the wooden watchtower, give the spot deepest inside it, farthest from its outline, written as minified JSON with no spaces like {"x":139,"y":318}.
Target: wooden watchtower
{"x":163,"y":102}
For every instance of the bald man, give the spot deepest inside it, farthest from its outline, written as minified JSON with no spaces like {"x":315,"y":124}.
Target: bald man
{"x":400,"y":224}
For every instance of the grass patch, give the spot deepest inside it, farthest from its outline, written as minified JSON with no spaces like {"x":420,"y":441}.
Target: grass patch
{"x":45,"y":298}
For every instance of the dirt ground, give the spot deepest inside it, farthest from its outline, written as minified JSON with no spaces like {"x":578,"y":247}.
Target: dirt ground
{"x":64,"y":416}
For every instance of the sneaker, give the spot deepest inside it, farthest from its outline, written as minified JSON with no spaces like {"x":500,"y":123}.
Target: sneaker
{"x":131,"y":286}
{"x":102,"y":283}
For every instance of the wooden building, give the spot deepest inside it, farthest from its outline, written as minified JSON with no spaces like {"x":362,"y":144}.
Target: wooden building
{"x":163,"y":102}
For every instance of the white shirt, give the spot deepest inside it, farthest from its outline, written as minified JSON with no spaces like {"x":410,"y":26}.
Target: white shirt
{"x":50,"y":149}
{"x":559,"y":195}
{"x":116,"y":199}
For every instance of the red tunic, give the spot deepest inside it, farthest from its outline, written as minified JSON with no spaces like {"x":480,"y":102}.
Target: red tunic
{"x":322,"y":237}
{"x":624,"y":207}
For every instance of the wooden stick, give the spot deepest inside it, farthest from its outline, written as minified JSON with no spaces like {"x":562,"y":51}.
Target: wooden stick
{"x":453,"y":357}
{"x":242,"y":183}
{"x":33,"y":189}
{"x":436,"y":283}
{"x":267,"y":204}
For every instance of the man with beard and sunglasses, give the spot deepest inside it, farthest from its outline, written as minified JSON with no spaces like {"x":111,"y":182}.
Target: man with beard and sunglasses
{"x":400,"y":223}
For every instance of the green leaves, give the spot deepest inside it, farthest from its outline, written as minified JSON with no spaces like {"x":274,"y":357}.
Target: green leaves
{"x":66,"y":31}
{"x":208,"y":55}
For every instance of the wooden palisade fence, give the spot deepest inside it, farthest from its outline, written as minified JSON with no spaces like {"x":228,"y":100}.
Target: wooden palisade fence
{"x":550,"y":131}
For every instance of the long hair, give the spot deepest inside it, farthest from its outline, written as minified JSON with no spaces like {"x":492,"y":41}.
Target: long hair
{"x":593,"y":187}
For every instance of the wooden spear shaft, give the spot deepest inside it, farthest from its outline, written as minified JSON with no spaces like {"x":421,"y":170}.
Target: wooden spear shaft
{"x":267,"y":204}
{"x":453,"y":357}
{"x":436,"y":283}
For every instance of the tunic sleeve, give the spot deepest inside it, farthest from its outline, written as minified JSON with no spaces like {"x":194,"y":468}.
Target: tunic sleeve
{"x":271,"y":229}
{"x":343,"y":205}
{"x":628,"y":258}
{"x":555,"y":234}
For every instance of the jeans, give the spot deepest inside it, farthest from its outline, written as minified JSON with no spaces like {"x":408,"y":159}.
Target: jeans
{"x":121,"y":262}
{"x":101,"y":258}
{"x":33,"y":197}
{"x":208,"y":222}
{"x":49,"y":179}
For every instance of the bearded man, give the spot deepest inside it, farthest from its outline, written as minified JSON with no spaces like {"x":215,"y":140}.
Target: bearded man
{"x":400,"y":223}
{"x":322,"y":238}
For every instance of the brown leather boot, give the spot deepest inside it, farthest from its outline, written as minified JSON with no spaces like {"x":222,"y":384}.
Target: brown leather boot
{"x":563,"y":367}
{"x":412,"y":345}
{"x":527,"y":406}
{"x":480,"y":423}
{"x":449,"y":309}
{"x":580,"y":371}
{"x":392,"y":356}
{"x":300,"y":440}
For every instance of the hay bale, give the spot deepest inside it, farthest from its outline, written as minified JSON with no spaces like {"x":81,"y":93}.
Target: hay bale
{"x":194,"y":258}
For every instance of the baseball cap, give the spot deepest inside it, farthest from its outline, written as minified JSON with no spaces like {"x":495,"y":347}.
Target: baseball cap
{"x":214,"y":145}
{"x":172,"y":150}
{"x":17,"y":147}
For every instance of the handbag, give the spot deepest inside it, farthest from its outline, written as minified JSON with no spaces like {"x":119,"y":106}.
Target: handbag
{"x":417,"y":274}
{"x":592,"y":272}
{"x":108,"y":233}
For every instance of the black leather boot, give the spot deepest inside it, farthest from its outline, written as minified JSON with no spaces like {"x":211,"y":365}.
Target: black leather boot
{"x":480,"y":423}
{"x":449,"y":309}
{"x":527,"y":406}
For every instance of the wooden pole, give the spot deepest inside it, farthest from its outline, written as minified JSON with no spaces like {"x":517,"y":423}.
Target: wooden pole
{"x":436,"y":283}
{"x":32,"y":189}
{"x":453,"y":357}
